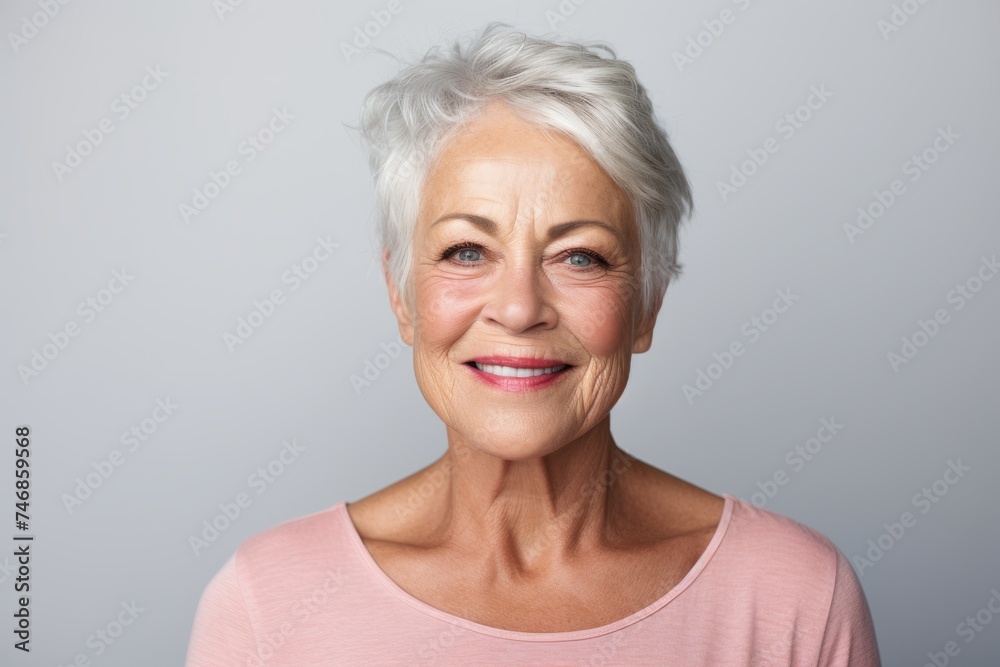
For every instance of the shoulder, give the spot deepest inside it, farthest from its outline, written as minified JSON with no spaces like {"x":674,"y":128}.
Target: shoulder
{"x":803,"y":578}
{"x":780,"y":560}
{"x":262,"y":584}
{"x":293,"y":552}
{"x":767,"y":536}
{"x":792,"y":585}
{"x":301,"y":531}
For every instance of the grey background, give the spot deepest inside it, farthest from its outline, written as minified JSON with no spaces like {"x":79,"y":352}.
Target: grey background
{"x":162,"y":336}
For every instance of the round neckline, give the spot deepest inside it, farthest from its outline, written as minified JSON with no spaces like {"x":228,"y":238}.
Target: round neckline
{"x":386,"y":581}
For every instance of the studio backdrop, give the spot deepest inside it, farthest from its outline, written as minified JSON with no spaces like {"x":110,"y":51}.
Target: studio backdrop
{"x":197,"y":340}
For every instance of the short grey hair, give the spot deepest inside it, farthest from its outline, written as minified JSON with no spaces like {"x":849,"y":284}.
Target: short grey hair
{"x":597,"y":101}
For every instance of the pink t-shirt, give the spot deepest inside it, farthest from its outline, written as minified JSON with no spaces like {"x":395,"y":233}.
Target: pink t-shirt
{"x":767,"y":591}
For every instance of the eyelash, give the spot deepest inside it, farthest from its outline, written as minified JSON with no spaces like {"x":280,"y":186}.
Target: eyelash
{"x":599,"y":262}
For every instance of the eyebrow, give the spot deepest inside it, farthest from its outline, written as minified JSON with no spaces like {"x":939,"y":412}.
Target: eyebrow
{"x":555,"y":231}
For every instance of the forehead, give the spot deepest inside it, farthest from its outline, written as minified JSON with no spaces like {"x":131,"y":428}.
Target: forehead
{"x":512,"y":167}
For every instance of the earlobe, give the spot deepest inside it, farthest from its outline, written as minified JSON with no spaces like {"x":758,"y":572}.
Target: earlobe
{"x":644,"y":333}
{"x":399,"y":306}
{"x":643,"y":341}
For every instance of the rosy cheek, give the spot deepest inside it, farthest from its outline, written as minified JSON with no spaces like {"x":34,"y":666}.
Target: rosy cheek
{"x":445,"y":306}
{"x":597,"y":321}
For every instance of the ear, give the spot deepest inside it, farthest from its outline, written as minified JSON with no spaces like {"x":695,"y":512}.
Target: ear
{"x":399,"y":306}
{"x":644,"y":331}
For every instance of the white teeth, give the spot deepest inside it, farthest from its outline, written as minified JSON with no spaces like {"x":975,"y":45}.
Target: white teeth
{"x":509,"y":371}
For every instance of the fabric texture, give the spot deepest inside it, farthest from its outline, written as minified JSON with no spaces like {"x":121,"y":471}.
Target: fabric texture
{"x":767,"y":591}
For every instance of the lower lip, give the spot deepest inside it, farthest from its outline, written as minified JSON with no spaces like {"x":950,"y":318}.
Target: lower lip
{"x":508,"y":383}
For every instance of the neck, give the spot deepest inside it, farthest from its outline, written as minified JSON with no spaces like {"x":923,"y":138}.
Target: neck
{"x":535,"y":513}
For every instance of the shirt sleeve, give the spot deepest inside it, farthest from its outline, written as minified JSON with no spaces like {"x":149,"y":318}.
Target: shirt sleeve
{"x":222,"y":633}
{"x":849,"y":637}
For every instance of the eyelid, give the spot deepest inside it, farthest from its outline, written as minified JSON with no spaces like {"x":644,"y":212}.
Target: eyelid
{"x":599,"y":260}
{"x":452,"y":249}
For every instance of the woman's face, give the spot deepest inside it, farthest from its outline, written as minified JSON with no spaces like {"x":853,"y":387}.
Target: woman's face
{"x":529,"y":280}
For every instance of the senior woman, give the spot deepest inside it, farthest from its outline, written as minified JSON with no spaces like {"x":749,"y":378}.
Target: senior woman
{"x":529,"y":205}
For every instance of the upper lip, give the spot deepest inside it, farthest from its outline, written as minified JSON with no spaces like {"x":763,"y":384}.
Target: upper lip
{"x":518,"y":362}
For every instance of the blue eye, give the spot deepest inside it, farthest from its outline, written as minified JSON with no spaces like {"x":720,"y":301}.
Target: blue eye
{"x":594,"y":261}
{"x":468,"y":252}
{"x":461,"y":249}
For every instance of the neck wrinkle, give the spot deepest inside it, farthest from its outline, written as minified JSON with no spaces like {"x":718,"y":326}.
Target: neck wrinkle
{"x":533,"y":515}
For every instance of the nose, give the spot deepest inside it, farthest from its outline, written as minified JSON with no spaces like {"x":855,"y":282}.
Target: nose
{"x":519,"y":299}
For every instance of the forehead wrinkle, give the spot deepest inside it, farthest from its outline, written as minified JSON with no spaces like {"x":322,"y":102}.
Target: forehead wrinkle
{"x":474,"y":176}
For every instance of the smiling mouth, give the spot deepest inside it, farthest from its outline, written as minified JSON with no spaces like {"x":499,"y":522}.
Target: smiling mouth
{"x":510,"y":371}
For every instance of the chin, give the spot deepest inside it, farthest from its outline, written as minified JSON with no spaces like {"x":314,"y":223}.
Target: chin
{"x":517,"y":448}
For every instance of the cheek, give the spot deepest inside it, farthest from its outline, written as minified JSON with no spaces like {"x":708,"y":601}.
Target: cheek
{"x":444,"y":309}
{"x":599,"y":321}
